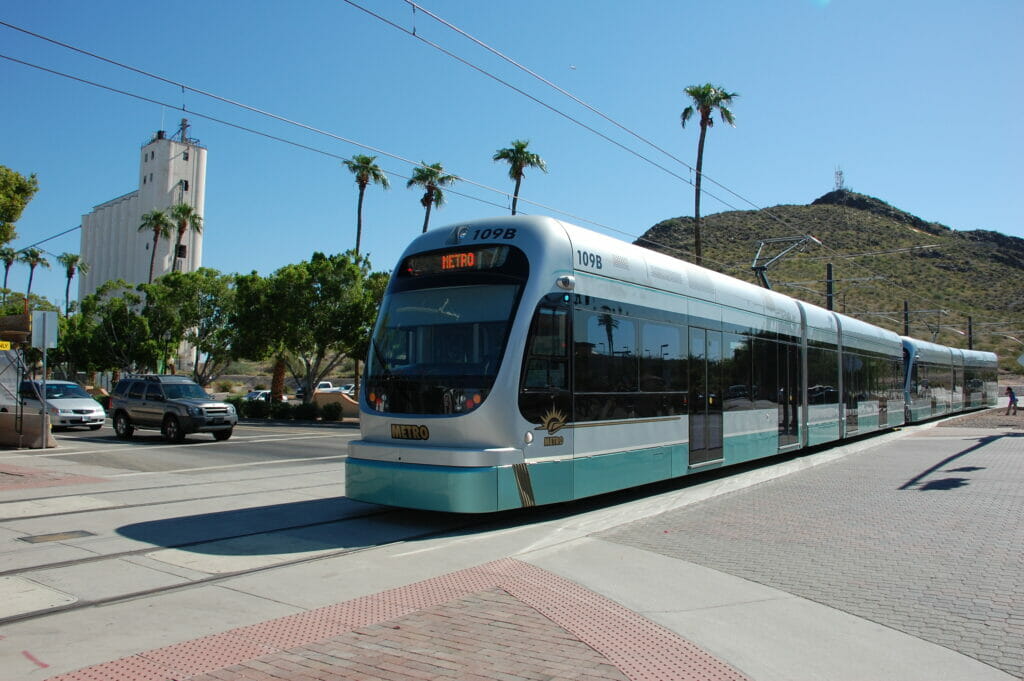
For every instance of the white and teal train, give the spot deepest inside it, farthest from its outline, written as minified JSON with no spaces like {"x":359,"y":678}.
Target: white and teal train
{"x":521,"y":361}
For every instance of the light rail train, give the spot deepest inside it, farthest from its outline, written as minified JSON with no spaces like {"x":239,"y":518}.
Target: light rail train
{"x":521,"y":361}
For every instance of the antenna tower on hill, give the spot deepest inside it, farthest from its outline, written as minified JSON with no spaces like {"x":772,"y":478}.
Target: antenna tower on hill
{"x":839,"y":179}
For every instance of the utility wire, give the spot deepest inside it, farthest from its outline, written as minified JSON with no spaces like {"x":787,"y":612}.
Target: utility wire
{"x":317,"y":150}
{"x":184,"y":87}
{"x":571,"y":96}
{"x":579,"y":101}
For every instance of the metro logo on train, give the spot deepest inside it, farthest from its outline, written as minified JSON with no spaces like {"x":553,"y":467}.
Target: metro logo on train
{"x":648,"y":368}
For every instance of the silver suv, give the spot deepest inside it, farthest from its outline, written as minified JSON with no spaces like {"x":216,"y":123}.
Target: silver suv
{"x":174,"y":405}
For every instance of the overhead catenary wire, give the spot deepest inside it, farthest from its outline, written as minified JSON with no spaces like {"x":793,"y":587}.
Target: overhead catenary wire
{"x":237,"y":126}
{"x":184,"y":87}
{"x":479,"y":42}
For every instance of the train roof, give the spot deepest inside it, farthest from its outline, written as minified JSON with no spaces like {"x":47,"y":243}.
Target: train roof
{"x":646,"y":267}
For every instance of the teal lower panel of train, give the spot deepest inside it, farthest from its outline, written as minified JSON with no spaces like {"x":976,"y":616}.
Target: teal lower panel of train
{"x":488,"y":489}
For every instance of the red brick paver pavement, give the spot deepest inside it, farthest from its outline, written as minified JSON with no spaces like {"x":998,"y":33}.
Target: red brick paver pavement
{"x":504,"y":620}
{"x":19,"y":477}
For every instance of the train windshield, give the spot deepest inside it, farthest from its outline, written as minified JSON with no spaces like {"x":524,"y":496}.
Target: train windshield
{"x":437,"y":350}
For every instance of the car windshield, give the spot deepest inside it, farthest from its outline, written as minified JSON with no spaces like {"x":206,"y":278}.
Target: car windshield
{"x":177,"y":391}
{"x":58,"y":391}
{"x":437,"y":350}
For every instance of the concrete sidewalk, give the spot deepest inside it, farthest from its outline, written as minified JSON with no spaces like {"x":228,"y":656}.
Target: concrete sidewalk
{"x":690,"y":584}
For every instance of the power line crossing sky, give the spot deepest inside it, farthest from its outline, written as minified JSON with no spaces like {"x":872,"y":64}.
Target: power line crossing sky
{"x":917,"y":102}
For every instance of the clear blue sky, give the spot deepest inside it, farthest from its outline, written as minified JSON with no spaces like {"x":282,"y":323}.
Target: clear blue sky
{"x":919,"y":103}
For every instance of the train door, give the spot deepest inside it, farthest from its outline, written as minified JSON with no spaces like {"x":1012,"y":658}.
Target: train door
{"x":544,"y":395}
{"x":706,"y":395}
{"x":790,"y":397}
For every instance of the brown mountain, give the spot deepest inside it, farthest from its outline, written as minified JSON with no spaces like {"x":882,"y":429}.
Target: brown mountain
{"x":881,"y":257}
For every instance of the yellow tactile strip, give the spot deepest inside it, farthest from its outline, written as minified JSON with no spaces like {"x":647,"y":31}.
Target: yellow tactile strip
{"x":502,"y":620}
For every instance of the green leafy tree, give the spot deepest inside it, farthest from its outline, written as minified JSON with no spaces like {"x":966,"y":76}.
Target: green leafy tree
{"x":33,"y":257}
{"x":72,"y":263}
{"x":185,"y":218}
{"x":366,"y":171}
{"x":195,"y":308}
{"x":431,"y":178}
{"x":8,"y":256}
{"x":157,"y":222}
{"x":519,"y":158}
{"x":110,"y":334}
{"x":376,"y":284}
{"x":706,"y":100}
{"x":313,"y":314}
{"x":16,"y":191}
{"x":257,"y":336}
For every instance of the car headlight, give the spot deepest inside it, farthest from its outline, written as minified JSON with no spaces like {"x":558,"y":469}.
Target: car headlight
{"x":194,"y":411}
{"x":57,"y":411}
{"x":231,"y":409}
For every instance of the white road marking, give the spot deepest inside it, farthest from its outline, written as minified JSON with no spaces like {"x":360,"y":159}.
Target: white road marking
{"x":163,"y":445}
{"x":226,"y":466}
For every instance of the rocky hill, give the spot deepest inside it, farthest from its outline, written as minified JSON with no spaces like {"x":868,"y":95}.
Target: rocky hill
{"x":881,"y":256}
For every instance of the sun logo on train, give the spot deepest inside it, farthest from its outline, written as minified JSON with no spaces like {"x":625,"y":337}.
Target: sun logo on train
{"x":552,"y":421}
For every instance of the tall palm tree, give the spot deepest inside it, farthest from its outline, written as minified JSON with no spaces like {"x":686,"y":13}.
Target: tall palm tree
{"x":706,"y":99}
{"x":366,"y":171}
{"x":519,"y":159}
{"x":8,"y":256}
{"x":72,"y":262}
{"x":33,"y":257}
{"x":431,"y":178}
{"x":185,"y":217}
{"x":157,"y":222}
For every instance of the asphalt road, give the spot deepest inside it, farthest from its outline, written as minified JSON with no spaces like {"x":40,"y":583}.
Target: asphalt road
{"x":252,"y":443}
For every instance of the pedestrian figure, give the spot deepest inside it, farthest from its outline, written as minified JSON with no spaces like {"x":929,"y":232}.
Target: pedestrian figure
{"x":1012,"y":404}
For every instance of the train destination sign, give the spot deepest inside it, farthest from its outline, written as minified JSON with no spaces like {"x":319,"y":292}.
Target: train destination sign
{"x":474,"y":258}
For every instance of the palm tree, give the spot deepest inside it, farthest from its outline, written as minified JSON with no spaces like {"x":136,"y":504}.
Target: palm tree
{"x":706,"y":99}
{"x":184,"y":216}
{"x":609,"y":323}
{"x":431,"y":178}
{"x":8,"y":256}
{"x":366,"y":171}
{"x":72,"y":263}
{"x":157,"y":222}
{"x":519,"y":159}
{"x":33,"y":257}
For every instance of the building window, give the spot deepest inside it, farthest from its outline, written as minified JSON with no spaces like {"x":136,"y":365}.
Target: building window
{"x":143,"y":179}
{"x":184,"y":155}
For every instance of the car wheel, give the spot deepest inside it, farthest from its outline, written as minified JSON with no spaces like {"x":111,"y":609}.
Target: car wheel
{"x":123,"y":427}
{"x":172,"y":430}
{"x":95,"y":427}
{"x":221,"y":435}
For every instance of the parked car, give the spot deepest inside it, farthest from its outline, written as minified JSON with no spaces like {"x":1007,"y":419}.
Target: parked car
{"x":321,"y":387}
{"x":68,"y":403}
{"x":262,"y":396}
{"x":349,"y":389}
{"x":174,"y":405}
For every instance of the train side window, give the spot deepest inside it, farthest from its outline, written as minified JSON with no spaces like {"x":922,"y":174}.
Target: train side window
{"x":606,"y":352}
{"x":546,"y":358}
{"x":663,"y":362}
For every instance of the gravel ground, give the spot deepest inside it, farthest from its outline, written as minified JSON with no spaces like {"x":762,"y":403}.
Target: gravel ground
{"x":989,"y":418}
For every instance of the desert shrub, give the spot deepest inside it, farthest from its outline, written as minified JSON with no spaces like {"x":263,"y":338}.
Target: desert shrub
{"x":306,"y":411}
{"x":257,"y":409}
{"x":331,"y":411}
{"x":282,"y":411}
